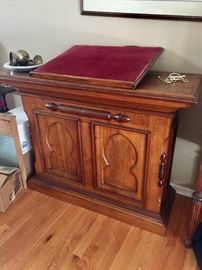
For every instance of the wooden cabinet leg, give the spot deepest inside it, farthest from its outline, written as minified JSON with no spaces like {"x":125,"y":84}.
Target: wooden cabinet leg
{"x":196,"y":210}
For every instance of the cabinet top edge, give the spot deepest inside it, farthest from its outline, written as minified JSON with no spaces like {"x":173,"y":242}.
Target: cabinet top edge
{"x":150,"y":87}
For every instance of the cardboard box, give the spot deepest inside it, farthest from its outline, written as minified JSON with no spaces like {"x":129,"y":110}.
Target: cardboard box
{"x":10,"y":186}
{"x":15,"y":143}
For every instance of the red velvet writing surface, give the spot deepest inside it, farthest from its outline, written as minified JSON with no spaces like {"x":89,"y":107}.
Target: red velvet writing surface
{"x":113,"y":63}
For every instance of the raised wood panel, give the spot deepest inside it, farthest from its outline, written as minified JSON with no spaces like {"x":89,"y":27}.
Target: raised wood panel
{"x":114,"y":155}
{"x":60,"y":146}
{"x":120,"y":161}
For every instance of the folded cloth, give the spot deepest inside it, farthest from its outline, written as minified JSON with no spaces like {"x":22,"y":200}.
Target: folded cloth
{"x":197,"y":244}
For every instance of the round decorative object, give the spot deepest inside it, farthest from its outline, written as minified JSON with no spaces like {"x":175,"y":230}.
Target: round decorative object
{"x":22,"y":54}
{"x":37,"y":60}
{"x":20,"y":68}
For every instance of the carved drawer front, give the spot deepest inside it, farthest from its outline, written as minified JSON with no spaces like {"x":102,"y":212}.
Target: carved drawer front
{"x":121,"y":161}
{"x":60,"y":146}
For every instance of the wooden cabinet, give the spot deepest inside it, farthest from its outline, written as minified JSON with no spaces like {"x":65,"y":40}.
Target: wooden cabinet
{"x":105,"y":148}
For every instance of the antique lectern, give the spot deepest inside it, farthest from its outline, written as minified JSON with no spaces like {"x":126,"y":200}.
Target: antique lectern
{"x":99,"y":142}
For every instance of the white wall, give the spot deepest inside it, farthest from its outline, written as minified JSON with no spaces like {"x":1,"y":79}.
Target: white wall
{"x":48,"y":27}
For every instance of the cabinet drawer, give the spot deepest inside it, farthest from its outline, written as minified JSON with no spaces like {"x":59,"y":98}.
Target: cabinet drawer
{"x":105,"y":114}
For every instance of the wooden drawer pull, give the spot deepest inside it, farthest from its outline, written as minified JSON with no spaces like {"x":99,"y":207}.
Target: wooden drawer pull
{"x":88,"y":112}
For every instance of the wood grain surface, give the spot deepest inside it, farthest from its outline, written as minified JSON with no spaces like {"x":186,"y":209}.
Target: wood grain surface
{"x":39,"y":232}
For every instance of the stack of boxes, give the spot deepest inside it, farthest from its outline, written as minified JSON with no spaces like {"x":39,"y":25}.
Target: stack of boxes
{"x":16,"y":157}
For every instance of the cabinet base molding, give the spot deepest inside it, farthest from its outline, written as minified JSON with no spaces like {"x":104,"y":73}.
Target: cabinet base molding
{"x":153,"y":223}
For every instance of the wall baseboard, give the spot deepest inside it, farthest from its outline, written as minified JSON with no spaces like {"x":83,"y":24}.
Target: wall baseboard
{"x":183,"y":190}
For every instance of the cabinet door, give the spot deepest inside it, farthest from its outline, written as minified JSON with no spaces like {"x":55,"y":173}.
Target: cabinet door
{"x":120,"y":162}
{"x":60,"y":146}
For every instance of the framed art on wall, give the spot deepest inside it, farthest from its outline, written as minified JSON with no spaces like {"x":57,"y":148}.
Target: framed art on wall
{"x":151,"y":9}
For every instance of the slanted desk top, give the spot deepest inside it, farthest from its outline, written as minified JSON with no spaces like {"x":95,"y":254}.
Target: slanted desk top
{"x":119,"y":66}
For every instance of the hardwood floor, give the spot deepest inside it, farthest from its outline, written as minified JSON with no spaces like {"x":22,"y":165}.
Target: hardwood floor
{"x":39,"y":232}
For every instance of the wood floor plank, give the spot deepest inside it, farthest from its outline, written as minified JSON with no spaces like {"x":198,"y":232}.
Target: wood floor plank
{"x":38,"y":244}
{"x":145,"y":246}
{"x":113,"y":248}
{"x":16,"y":219}
{"x":54,"y":238}
{"x":39,"y":232}
{"x":19,"y":238}
{"x":190,"y":262}
{"x":126,"y":253}
{"x":98,"y":248}
{"x":88,"y":237}
{"x":65,"y":255}
{"x":171,"y":247}
{"x":3,"y":229}
{"x":25,"y":202}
